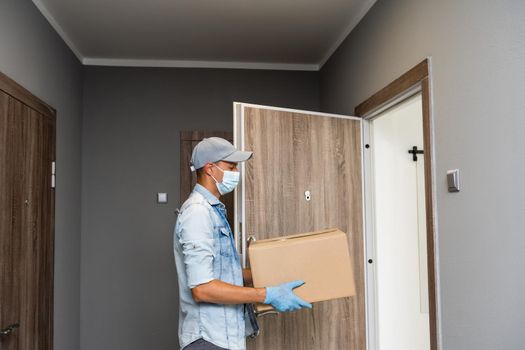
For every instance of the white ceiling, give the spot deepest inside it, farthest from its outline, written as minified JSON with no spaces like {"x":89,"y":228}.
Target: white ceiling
{"x":264,"y":34}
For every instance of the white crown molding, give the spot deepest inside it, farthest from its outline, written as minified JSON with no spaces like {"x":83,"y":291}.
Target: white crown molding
{"x":197,"y":64}
{"x":117,"y":62}
{"x":354,"y":21}
{"x":58,"y":28}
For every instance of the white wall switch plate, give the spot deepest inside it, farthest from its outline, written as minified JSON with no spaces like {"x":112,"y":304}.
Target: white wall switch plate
{"x":453,"y":180}
{"x":162,"y":198}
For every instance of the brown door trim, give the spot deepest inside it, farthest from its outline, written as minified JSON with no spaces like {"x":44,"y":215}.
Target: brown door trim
{"x":417,"y":75}
{"x":12,"y":88}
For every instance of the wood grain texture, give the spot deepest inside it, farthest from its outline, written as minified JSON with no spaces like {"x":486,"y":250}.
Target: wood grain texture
{"x":295,"y":152}
{"x":188,"y":179}
{"x":417,"y":75}
{"x":27,"y":148}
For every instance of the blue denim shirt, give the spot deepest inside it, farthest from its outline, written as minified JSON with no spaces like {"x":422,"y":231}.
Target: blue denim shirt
{"x":205,"y":250}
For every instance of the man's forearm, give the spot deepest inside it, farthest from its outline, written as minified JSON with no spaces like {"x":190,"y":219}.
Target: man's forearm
{"x":219,"y":292}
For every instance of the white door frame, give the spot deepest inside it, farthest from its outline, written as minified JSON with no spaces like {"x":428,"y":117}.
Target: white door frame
{"x":367,"y":201}
{"x":369,"y":239}
{"x":418,"y":78}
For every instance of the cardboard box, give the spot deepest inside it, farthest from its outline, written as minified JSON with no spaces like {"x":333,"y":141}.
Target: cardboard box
{"x":321,"y":259}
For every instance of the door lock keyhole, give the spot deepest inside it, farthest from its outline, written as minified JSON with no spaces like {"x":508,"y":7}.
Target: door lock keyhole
{"x":307,"y":195}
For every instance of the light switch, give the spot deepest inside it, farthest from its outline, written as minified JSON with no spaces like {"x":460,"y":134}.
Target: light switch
{"x":162,"y":198}
{"x":453,"y":180}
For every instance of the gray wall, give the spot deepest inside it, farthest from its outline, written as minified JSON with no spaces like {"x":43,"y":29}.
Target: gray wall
{"x":33,"y":54}
{"x":132,"y":119}
{"x":478,"y":55}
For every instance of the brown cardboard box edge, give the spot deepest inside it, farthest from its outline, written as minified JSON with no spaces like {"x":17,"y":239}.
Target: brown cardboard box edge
{"x":321,"y":258}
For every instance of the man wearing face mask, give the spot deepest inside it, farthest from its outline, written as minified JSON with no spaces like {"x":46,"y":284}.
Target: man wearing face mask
{"x":211,"y":280}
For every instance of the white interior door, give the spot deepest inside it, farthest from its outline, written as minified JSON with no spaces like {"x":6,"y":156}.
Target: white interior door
{"x":398,"y":228}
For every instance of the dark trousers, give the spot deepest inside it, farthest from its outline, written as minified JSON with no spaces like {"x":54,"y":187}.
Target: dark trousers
{"x":201,"y":344}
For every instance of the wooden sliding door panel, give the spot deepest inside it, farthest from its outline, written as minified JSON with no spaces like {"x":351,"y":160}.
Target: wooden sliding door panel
{"x":295,"y":152}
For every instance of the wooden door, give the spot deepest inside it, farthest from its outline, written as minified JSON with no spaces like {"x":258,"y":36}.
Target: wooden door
{"x":188,"y":179}
{"x":295,"y":152}
{"x":27,"y":150}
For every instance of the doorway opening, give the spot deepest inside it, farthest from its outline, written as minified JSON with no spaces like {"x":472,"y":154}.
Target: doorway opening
{"x":399,"y":218}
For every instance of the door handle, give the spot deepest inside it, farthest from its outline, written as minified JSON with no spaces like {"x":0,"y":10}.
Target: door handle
{"x":267,"y":312}
{"x":9,"y":329}
{"x":251,"y":239}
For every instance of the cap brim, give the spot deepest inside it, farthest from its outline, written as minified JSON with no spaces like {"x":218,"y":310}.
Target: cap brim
{"x":238,"y":156}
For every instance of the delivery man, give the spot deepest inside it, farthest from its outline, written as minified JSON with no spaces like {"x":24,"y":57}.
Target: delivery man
{"x":211,"y":279}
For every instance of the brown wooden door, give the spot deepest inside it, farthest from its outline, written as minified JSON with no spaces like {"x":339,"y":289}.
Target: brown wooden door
{"x":295,"y":152}
{"x":27,"y":150}
{"x":188,"y":179}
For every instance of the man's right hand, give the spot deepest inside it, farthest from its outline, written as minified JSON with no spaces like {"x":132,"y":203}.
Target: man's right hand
{"x":283,"y":299}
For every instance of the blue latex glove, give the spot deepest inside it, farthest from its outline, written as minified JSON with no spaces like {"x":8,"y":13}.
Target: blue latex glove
{"x":283,"y":299}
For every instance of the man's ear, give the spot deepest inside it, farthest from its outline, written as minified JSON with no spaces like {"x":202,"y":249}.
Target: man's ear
{"x":207,"y":169}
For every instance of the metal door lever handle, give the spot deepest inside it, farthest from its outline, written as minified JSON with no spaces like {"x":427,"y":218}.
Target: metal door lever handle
{"x":9,"y":329}
{"x":267,"y":312}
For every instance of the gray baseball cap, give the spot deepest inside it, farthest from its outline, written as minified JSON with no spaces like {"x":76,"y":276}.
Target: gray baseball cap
{"x":214,"y":149}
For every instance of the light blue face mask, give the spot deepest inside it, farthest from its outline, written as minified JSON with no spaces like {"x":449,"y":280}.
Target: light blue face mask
{"x":230,"y":180}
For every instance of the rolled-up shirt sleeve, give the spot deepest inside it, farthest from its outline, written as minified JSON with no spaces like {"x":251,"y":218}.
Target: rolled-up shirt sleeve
{"x":196,"y":239}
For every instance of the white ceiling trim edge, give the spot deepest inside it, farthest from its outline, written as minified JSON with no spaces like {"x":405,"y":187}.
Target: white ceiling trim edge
{"x":354,"y":21}
{"x":197,"y":64}
{"x":58,"y":29}
{"x":203,"y":64}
